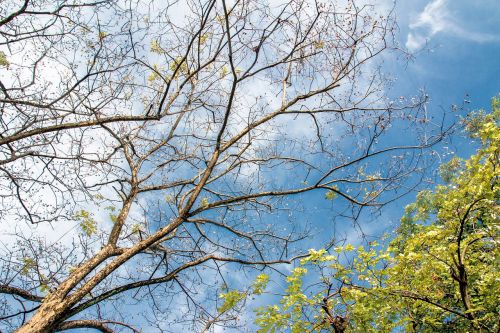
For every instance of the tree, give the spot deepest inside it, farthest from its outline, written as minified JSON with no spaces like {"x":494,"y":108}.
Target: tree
{"x":155,"y":135}
{"x":440,"y":274}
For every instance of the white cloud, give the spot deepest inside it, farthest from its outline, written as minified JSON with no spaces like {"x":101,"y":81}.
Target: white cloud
{"x":437,"y":18}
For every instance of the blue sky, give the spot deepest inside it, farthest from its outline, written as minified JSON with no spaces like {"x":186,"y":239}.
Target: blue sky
{"x":455,"y":46}
{"x":455,"y":58}
{"x":463,"y":48}
{"x":454,"y":49}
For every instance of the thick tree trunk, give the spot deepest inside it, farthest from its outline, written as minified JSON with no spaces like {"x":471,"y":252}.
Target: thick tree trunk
{"x":46,"y":319}
{"x":56,"y":305}
{"x":54,"y":309}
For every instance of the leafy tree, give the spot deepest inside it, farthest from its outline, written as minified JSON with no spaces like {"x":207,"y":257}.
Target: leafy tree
{"x":144,"y":147}
{"x":440,"y":274}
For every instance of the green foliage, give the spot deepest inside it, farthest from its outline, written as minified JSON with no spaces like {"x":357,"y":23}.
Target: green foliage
{"x":260,"y":284}
{"x":223,"y":71}
{"x":453,"y":262}
{"x":270,"y":318}
{"x":102,"y":35}
{"x":203,"y":38}
{"x":449,"y":171}
{"x":319,"y":44}
{"x":3,"y":60}
{"x":137,"y":228}
{"x":180,"y":65}
{"x":231,"y":299}
{"x":204,"y":202}
{"x":87,"y":223}
{"x":156,"y":48}
{"x":44,"y":288}
{"x":475,"y":123}
{"x":28,"y":264}
{"x":439,"y":274}
{"x":113,"y":217}
{"x":111,"y":210}
{"x":304,"y":312}
{"x":330,"y":195}
{"x":155,"y":73}
{"x":99,"y":197}
{"x":316,"y":256}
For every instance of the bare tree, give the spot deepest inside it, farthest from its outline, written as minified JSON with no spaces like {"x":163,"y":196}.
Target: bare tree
{"x":193,"y":125}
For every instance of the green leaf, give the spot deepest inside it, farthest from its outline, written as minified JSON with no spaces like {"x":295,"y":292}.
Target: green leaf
{"x":28,"y":264}
{"x":260,"y":283}
{"x":330,"y":195}
{"x":204,"y":203}
{"x":87,"y":223}
{"x":231,"y":299}
{"x":3,"y":60}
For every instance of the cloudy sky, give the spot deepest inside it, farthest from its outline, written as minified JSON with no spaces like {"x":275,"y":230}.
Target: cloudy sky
{"x":456,"y":45}
{"x":455,"y":57}
{"x":454,"y":54}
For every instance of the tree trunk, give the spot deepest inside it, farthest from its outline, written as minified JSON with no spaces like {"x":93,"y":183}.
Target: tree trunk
{"x":46,"y":319}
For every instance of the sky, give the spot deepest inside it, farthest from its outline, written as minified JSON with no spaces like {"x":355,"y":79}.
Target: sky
{"x":453,"y":49}
{"x":453,"y":53}
{"x":456,"y":46}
